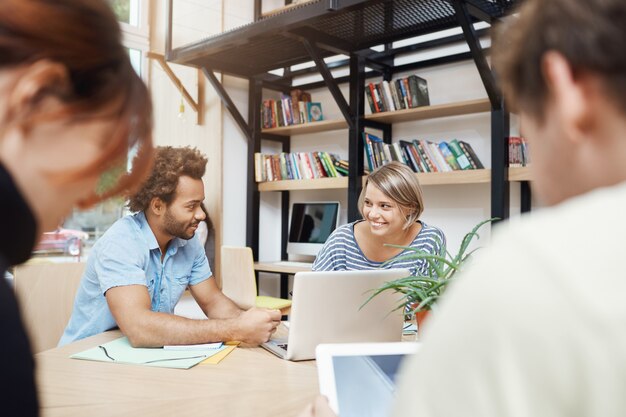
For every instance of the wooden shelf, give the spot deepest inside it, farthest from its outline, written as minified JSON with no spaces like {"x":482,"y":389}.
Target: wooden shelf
{"x":315,"y":184}
{"x":471,"y":176}
{"x":418,"y":113}
{"x":432,"y":112}
{"x":283,"y":269}
{"x":314,"y":127}
{"x":520,"y":174}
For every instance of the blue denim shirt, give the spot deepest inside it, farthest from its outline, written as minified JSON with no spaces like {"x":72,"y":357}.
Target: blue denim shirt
{"x":128,"y":254}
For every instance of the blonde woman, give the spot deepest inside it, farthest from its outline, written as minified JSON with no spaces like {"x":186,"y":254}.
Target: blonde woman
{"x":391,"y":204}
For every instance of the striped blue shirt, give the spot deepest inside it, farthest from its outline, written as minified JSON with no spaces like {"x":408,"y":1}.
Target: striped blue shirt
{"x":341,"y":252}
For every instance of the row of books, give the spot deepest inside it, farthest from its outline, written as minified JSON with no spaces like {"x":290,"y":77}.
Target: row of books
{"x":518,"y":152}
{"x":398,"y":94}
{"x":293,"y":109}
{"x":297,"y":166}
{"x":421,"y":155}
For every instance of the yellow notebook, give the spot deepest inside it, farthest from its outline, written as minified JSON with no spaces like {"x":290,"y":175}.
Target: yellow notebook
{"x":264,"y":301}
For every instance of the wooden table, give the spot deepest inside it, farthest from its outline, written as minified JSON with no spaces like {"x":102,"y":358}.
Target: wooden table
{"x":248,"y":382}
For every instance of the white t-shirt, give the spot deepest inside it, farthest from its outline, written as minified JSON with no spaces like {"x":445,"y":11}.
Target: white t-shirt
{"x":536,"y":326}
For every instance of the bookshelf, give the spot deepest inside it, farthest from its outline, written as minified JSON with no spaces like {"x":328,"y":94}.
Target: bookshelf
{"x":312,"y":127}
{"x":319,"y":29}
{"x":432,"y":112}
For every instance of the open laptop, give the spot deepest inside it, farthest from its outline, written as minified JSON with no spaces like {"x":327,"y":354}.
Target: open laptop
{"x":328,"y":308}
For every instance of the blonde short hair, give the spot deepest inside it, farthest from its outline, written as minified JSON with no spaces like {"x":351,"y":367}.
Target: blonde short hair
{"x":398,"y":182}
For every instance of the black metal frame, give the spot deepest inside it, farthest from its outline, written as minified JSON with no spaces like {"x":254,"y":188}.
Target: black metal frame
{"x":306,"y":26}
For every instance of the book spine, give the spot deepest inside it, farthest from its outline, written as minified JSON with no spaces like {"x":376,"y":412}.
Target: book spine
{"x":374,"y":97}
{"x":441,"y":161}
{"x":329,"y":162}
{"x":308,"y":165}
{"x":423,"y":98}
{"x":276,"y":167}
{"x":380,"y":97}
{"x":394,"y":95}
{"x":290,"y":173}
{"x":389,"y":98}
{"x":327,"y":170}
{"x":295,"y":106}
{"x":422,"y":159}
{"x":283,"y":166}
{"x":294,"y":166}
{"x":302,"y":112}
{"x":258,"y":176}
{"x":409,"y":155}
{"x":448,"y":156}
{"x":401,"y":96}
{"x":368,"y":95}
{"x":401,"y":157}
{"x":402,"y":93}
{"x":412,"y":80}
{"x":387,"y":153}
{"x":407,"y":91}
{"x":320,"y":167}
{"x":472,"y":155}
{"x":458,"y":153}
{"x":416,"y":157}
{"x":368,"y":151}
{"x":268,"y":167}
{"x":428,"y":152}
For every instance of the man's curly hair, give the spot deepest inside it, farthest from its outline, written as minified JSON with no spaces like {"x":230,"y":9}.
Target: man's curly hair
{"x":169,"y":165}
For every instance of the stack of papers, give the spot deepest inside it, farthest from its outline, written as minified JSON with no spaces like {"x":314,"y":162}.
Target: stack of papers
{"x":180,"y":357}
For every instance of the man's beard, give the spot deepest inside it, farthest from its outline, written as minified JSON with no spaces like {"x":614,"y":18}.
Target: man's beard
{"x":176,"y":228}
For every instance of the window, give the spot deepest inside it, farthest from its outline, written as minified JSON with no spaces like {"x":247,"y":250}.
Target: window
{"x":133,"y":18}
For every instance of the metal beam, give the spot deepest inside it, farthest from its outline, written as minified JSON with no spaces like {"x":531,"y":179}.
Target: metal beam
{"x":463,"y":16}
{"x":330,"y":82}
{"x":525,"y":197}
{"x":500,"y":163}
{"x":228,"y":103}
{"x":400,"y":68}
{"x":275,"y":138}
{"x":375,"y":125}
{"x":355,"y":143}
{"x":252,"y":191}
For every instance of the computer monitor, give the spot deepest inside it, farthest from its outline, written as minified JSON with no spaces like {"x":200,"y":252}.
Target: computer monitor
{"x":310,"y":226}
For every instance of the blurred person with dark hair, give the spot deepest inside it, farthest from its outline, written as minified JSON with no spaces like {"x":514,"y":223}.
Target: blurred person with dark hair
{"x":537,"y":325}
{"x":71,"y":110}
{"x":138,"y":270}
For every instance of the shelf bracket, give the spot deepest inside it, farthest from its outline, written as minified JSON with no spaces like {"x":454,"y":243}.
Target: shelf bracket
{"x":228,"y":103}
{"x":486,"y":75}
{"x":330,"y":82}
{"x":196,"y":106}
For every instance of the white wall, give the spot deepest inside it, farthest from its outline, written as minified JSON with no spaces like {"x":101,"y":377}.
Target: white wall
{"x":455,"y":209}
{"x":191,"y":20}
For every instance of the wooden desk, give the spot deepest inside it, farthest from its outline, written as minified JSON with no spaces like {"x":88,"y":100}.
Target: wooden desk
{"x":248,"y":382}
{"x":278,"y":268}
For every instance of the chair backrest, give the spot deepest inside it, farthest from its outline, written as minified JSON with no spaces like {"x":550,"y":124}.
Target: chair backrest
{"x":46,"y":294}
{"x":238,"y":280}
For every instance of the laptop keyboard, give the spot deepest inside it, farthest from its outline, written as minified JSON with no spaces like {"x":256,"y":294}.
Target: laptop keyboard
{"x":282,"y":345}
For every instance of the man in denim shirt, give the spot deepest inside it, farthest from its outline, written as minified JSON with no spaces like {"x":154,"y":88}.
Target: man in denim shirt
{"x":138,"y":270}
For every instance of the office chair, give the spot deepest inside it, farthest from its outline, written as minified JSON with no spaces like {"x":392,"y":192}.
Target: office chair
{"x":45,"y":292}
{"x":239,"y":283}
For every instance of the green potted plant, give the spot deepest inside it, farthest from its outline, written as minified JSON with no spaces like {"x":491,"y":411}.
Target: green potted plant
{"x":421,"y":293}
